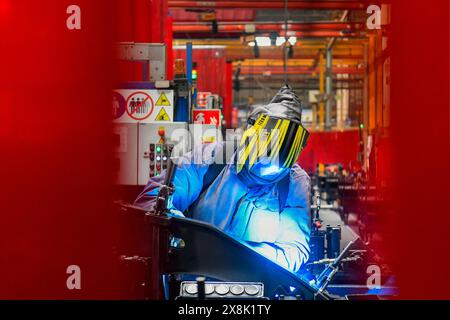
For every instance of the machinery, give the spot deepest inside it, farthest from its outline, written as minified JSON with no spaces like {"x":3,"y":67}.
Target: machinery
{"x":178,"y":250}
{"x":156,"y":144}
{"x":328,"y":181}
{"x":152,"y":118}
{"x":183,"y":248}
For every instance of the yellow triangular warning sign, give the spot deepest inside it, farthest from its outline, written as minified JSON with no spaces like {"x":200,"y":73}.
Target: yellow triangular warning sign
{"x":163,"y":101}
{"x":162,"y":115}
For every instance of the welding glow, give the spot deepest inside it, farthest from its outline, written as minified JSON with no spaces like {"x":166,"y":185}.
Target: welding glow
{"x":273,"y":169}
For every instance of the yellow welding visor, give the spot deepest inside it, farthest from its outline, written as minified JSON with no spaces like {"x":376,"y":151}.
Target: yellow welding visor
{"x":271,"y":141}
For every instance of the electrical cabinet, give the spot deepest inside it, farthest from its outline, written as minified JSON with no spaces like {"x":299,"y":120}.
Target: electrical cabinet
{"x":156,"y":144}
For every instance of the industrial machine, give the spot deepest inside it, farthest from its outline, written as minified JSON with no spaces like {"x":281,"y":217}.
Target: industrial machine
{"x":156,"y":144}
{"x":182,"y":248}
{"x":153,"y":126}
{"x":151,"y":118}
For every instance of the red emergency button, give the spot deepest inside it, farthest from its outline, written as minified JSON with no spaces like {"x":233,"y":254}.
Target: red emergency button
{"x":162,"y":132}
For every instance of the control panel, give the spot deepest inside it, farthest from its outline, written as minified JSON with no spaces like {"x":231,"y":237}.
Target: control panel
{"x":157,"y":142}
{"x":143,"y":150}
{"x":158,"y":155}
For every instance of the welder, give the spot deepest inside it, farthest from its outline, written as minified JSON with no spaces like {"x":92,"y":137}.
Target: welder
{"x":260,"y":196}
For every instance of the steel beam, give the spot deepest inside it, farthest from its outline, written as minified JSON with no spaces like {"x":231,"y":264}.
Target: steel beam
{"x":265,"y":27}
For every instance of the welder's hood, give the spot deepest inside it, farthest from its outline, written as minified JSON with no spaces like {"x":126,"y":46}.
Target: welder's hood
{"x":273,"y":139}
{"x":285,"y":104}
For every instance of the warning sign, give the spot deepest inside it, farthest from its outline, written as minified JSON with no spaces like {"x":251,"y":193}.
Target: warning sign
{"x":139,"y":105}
{"x":118,"y":105}
{"x":143,"y":106}
{"x":202,"y":99}
{"x":163,"y":101}
{"x":162,"y":115}
{"x":207,"y":116}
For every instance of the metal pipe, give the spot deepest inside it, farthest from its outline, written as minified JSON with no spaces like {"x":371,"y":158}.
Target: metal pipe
{"x":329,"y":89}
{"x":270,"y":53}
{"x":267,"y":27}
{"x":189,"y":62}
{"x":299,"y":34}
{"x":285,"y":47}
{"x":189,"y":66}
{"x":321,"y":90}
{"x":333,"y":40}
{"x":316,"y":5}
{"x":298,"y":70}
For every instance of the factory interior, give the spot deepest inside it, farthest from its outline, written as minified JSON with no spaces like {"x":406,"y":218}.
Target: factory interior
{"x":338,"y":65}
{"x":225,"y":150}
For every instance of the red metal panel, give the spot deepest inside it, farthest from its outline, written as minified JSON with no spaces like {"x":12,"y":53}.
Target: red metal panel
{"x":156,"y":10}
{"x":143,"y":21}
{"x":144,"y":18}
{"x":221,"y":15}
{"x":211,"y":68}
{"x":168,"y":40}
{"x":420,"y":145}
{"x":56,"y":159}
{"x":228,"y":98}
{"x":331,"y":147}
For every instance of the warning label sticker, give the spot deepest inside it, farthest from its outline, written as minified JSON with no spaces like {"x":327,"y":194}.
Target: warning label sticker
{"x":162,"y":116}
{"x":139,"y":105}
{"x":144,"y":106}
{"x":163,"y":101}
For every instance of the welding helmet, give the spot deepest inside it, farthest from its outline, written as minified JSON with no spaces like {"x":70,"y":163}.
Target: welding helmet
{"x":269,"y":146}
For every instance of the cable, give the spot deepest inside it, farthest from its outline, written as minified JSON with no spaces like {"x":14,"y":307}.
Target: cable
{"x":285,"y":47}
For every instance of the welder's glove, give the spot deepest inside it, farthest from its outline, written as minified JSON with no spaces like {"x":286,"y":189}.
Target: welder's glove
{"x":176,"y":213}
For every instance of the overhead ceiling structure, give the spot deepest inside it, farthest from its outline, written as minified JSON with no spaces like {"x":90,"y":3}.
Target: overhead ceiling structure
{"x":311,"y":23}
{"x":313,"y":26}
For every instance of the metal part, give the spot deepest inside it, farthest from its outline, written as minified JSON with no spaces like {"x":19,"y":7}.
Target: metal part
{"x":165,"y":190}
{"x":286,"y":43}
{"x":278,"y":70}
{"x":201,"y":288}
{"x":221,"y":290}
{"x":154,"y":54}
{"x":330,"y":271}
{"x":172,"y":139}
{"x":333,"y":40}
{"x":329,"y":89}
{"x":333,"y":236}
{"x":204,"y":250}
{"x":259,"y":27}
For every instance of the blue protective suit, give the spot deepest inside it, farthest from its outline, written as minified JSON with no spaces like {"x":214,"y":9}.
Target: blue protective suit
{"x":273,"y":218}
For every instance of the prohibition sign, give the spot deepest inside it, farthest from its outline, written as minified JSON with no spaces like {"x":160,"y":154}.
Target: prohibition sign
{"x":135,"y":111}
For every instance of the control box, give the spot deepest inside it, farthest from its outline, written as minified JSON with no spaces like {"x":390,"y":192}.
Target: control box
{"x":156,"y":144}
{"x":143,"y":150}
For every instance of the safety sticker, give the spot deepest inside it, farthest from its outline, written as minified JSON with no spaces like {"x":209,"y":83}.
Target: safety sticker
{"x":140,"y":105}
{"x":162,"y":115}
{"x":163,"y":101}
{"x":118,"y":105}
